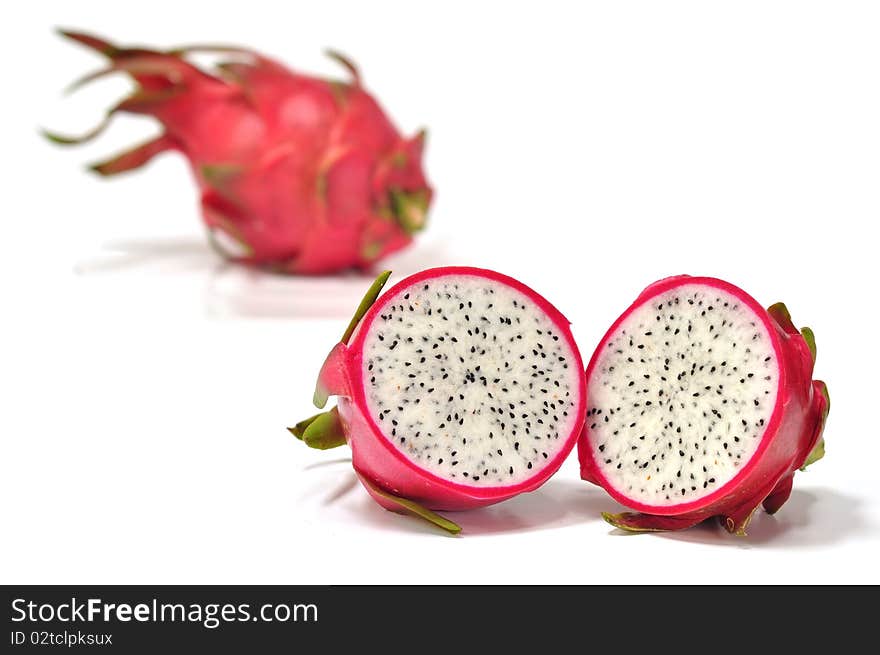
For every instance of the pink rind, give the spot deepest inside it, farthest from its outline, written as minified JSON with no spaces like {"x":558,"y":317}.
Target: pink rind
{"x":793,"y":430}
{"x":386,"y":466}
{"x":464,"y":496}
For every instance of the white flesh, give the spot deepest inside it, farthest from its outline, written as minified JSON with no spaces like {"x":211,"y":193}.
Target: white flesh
{"x":471,"y":380}
{"x":681,"y":395}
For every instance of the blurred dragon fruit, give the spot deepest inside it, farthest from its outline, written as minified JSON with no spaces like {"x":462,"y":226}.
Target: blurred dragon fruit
{"x":297,"y":174}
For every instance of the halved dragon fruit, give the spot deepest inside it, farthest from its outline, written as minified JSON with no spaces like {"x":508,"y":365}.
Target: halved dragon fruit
{"x":458,"y":388}
{"x":700,"y":404}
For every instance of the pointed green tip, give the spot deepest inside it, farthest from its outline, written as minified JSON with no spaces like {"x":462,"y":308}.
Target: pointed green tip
{"x":781,"y":315}
{"x":320,"y":398}
{"x":346,"y":63}
{"x":449,"y":526}
{"x":100,"y":169}
{"x":611,"y":518}
{"x":818,"y":451}
{"x":322,"y":394}
{"x":367,"y":302}
{"x":825,"y":393}
{"x":88,"y":40}
{"x":634,"y":523}
{"x":299,"y":429}
{"x":323,"y":431}
{"x":412,"y":507}
{"x":810,"y":338}
{"x":781,"y":309}
{"x":60,"y":139}
{"x":66,"y":140}
{"x":67,"y":33}
{"x":410,"y":208}
{"x":619,"y":522}
{"x":737,"y":525}
{"x":815,"y":455}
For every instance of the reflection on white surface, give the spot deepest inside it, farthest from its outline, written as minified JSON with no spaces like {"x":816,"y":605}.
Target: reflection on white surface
{"x":556,"y":504}
{"x":328,"y":462}
{"x":813,"y":516}
{"x":347,"y":483}
{"x":232,"y":290}
{"x":170,"y":255}
{"x":817,"y":516}
{"x":238,"y":291}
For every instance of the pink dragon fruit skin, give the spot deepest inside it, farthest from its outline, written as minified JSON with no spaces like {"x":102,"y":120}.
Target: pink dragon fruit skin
{"x":297,"y":174}
{"x":790,"y":440}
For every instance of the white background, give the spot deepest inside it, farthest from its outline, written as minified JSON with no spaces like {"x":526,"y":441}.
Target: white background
{"x":585,"y":148}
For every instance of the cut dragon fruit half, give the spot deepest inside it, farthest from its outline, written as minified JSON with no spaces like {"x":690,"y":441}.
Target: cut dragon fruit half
{"x":458,"y":388}
{"x":700,"y":403}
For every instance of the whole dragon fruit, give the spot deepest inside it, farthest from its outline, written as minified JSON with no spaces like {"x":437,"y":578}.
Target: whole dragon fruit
{"x":701,"y":404}
{"x":298,"y":174}
{"x":460,"y":387}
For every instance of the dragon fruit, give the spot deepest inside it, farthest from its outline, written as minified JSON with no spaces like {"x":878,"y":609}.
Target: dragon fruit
{"x":458,"y":388}
{"x":701,"y":404}
{"x":296,"y":174}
